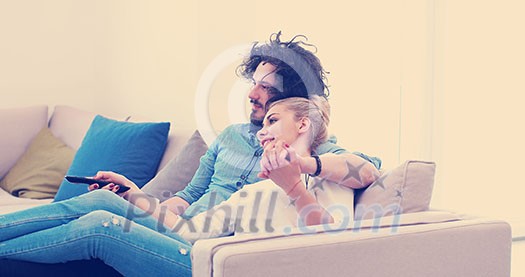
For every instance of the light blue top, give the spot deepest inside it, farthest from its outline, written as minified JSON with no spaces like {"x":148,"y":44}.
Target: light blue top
{"x":232,"y":161}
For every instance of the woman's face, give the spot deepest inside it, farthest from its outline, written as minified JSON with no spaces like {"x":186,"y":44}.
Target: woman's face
{"x":279,"y":123}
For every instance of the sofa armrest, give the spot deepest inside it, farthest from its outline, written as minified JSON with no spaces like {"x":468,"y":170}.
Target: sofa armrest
{"x":443,"y":246}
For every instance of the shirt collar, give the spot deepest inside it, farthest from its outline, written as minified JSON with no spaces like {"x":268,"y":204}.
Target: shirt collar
{"x":253,"y":129}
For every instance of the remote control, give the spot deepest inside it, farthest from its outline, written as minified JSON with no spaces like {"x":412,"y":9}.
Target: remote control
{"x":89,"y":181}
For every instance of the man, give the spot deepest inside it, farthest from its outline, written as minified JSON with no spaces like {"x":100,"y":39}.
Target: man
{"x":278,"y":70}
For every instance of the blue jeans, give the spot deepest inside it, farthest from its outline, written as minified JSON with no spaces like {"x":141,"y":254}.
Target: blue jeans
{"x":100,"y":225}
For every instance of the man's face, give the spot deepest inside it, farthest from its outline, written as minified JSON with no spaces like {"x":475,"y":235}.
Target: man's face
{"x":264,"y":80}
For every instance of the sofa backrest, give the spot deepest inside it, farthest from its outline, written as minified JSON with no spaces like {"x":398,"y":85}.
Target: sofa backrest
{"x":19,"y":126}
{"x":70,"y":125}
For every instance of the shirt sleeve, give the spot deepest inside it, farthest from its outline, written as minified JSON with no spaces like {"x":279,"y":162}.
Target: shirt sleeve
{"x":330,"y":146}
{"x":202,"y":178}
{"x":376,"y":161}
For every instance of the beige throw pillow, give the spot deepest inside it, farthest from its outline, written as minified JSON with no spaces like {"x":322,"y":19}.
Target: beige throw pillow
{"x":40,"y":170}
{"x":404,"y":189}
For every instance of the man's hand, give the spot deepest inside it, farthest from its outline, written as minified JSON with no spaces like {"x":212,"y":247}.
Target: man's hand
{"x":176,"y":205}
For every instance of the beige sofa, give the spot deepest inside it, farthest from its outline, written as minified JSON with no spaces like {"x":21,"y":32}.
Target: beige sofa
{"x":422,"y":243}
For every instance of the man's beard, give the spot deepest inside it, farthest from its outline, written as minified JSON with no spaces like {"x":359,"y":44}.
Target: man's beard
{"x":256,"y":121}
{"x":253,"y":118}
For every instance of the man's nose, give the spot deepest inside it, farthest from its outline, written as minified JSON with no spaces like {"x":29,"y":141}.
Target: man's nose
{"x":254,"y":94}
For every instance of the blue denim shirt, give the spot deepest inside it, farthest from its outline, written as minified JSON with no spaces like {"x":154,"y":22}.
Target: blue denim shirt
{"x":231,"y":162}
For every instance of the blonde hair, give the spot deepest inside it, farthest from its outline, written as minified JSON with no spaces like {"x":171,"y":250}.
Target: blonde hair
{"x":316,"y":109}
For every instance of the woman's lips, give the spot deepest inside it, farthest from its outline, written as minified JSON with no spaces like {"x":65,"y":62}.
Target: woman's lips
{"x":264,"y":141}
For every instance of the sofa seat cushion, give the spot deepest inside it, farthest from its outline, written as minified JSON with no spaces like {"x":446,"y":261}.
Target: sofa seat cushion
{"x":131,"y":149}
{"x":11,"y":203}
{"x":40,"y":170}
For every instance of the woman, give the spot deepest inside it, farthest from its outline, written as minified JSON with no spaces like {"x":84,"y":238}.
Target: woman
{"x":147,"y":239}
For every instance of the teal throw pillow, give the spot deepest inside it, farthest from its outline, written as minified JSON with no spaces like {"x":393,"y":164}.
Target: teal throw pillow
{"x":131,"y":149}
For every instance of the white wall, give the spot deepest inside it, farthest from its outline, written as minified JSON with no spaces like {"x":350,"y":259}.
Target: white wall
{"x":47,"y":53}
{"x":480,"y":66}
{"x":477,"y":138}
{"x":147,"y":57}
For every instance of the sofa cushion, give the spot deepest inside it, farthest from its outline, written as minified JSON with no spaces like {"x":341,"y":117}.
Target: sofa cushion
{"x":70,"y":124}
{"x":405,"y":189}
{"x":131,"y":149}
{"x":176,"y":141}
{"x":19,"y":126}
{"x":179,"y":171}
{"x":40,"y":170}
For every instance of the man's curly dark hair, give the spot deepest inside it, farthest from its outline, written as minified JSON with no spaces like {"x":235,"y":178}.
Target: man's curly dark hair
{"x":301,"y":71}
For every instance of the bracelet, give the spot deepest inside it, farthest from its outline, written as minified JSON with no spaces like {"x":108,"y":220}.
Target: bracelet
{"x":319,"y":166}
{"x":293,"y":187}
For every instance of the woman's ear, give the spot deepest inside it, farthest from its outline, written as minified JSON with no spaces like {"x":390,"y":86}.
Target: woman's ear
{"x":304,"y":125}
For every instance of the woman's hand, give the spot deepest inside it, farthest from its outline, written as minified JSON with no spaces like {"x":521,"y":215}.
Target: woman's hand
{"x":281,"y":163}
{"x":275,"y":156}
{"x":116,"y":180}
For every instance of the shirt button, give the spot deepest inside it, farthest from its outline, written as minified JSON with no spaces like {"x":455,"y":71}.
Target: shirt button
{"x":183,"y":251}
